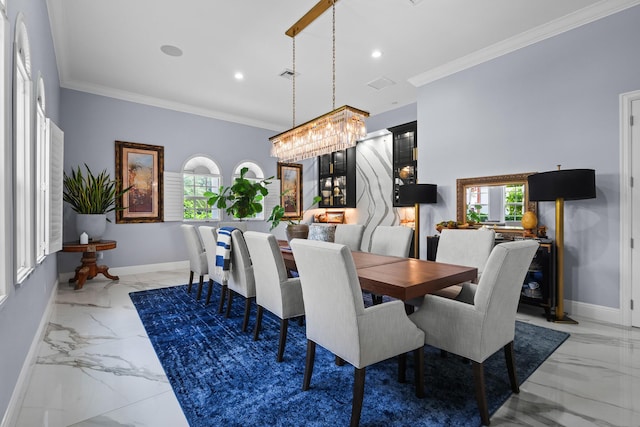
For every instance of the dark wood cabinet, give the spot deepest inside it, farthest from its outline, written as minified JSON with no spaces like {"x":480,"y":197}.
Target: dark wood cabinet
{"x":337,"y":179}
{"x":539,"y":287}
{"x":539,"y":284}
{"x":405,"y":140}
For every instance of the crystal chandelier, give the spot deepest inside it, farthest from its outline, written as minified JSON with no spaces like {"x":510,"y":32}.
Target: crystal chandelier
{"x":337,"y":130}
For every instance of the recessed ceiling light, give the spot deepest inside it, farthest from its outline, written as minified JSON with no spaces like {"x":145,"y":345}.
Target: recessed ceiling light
{"x":376,"y":53}
{"x":171,"y":50}
{"x":239,"y":76}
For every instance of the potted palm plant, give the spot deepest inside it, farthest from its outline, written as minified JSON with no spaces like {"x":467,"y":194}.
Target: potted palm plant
{"x":91,"y":197}
{"x":294,"y":228}
{"x":242,"y":199}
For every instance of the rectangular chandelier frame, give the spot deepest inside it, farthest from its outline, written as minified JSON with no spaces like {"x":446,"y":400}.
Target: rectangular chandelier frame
{"x":334,"y":131}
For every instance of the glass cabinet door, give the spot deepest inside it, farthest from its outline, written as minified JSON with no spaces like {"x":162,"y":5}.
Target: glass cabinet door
{"x":404,"y":158}
{"x":337,"y":179}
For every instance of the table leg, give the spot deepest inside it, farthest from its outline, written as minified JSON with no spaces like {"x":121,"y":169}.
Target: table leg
{"x":89,"y":269}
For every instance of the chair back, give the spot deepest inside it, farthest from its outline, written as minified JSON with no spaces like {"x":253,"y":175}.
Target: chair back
{"x":268,"y":269}
{"x":470,"y":248}
{"x":241,"y":279}
{"x":350,"y":235}
{"x":195,"y":250}
{"x":331,"y":293}
{"x":391,"y":240}
{"x":498,"y":291}
{"x":209,"y":239}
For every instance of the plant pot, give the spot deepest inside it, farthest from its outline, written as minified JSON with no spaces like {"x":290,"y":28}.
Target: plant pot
{"x":297,"y":231}
{"x":92,"y":224}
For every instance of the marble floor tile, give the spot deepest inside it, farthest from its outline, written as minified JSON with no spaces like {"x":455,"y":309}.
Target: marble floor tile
{"x":96,"y":367}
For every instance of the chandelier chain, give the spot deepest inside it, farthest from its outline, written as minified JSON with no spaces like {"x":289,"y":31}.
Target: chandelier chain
{"x":334,"y":55}
{"x":293,"y":79}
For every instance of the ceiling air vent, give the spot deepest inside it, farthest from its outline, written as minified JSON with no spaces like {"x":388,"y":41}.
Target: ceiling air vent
{"x":381,"y":82}
{"x":288,"y":74}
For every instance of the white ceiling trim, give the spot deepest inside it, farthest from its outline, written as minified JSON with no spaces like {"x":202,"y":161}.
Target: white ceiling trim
{"x":169,"y":105}
{"x":581,"y":17}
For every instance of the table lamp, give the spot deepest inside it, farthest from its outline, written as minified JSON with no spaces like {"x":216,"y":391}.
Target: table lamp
{"x":558,"y":186}
{"x":417,"y":194}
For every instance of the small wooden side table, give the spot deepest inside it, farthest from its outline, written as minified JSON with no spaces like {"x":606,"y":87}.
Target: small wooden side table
{"x":89,"y":268}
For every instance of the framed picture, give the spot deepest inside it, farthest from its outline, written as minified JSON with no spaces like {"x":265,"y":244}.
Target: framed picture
{"x":290,"y":176}
{"x":140,"y":166}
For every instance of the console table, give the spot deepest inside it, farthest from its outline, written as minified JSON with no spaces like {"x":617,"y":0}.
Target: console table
{"x":89,"y":268}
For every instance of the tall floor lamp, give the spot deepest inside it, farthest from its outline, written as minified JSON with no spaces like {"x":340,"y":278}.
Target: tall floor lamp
{"x":417,"y":194}
{"x":558,"y":186}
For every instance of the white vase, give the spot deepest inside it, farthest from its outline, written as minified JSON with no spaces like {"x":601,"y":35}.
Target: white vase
{"x":92,"y":224}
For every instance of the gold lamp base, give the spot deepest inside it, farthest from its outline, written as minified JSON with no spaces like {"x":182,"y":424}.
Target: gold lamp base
{"x":565,"y":319}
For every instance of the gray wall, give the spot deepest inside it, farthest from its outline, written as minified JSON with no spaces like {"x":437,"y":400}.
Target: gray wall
{"x":555,"y":102}
{"x":92,"y":123}
{"x":21,"y":313}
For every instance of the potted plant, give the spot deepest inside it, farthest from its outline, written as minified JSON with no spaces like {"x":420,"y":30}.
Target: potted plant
{"x":294,"y":228}
{"x":91,"y":197}
{"x":241,"y":199}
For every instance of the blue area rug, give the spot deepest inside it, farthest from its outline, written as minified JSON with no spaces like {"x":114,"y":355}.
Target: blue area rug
{"x":223,"y":378}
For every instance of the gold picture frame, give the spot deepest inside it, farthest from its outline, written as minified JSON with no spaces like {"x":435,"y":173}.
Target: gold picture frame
{"x":142,"y":167}
{"x":290,"y":176}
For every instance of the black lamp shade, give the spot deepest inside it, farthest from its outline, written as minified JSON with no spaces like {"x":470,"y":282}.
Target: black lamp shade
{"x":418,"y":193}
{"x":569,"y":184}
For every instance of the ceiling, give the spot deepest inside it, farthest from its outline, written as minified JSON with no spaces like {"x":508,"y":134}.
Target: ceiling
{"x":112,"y":48}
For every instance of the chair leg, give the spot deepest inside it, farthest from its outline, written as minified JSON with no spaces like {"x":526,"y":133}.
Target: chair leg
{"x":256,"y":330}
{"x":402,"y":367}
{"x":511,"y":367}
{"x":478,"y":376}
{"x":358,"y":395}
{"x":223,"y":295}
{"x":229,"y":301}
{"x":200,"y":283}
{"x":339,"y":361}
{"x":308,"y":368}
{"x":190,"y":281}
{"x":418,"y":355}
{"x":284,"y":327}
{"x":209,"y":289}
{"x":247,"y":312}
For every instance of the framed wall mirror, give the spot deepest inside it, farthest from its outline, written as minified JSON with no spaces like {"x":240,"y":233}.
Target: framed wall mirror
{"x":498,"y":201}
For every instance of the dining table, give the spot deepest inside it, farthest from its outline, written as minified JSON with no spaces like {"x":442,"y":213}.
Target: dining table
{"x":397,"y":277}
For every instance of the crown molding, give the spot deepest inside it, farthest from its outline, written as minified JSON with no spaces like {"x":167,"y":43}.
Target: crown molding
{"x":166,"y":104}
{"x":576,"y":19}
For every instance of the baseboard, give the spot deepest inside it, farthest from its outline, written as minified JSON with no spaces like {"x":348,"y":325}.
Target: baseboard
{"x":594,"y":312}
{"x":11,"y":415}
{"x":136,"y":269}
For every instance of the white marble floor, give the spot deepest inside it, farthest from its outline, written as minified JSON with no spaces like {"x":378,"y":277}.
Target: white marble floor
{"x":96,"y":367}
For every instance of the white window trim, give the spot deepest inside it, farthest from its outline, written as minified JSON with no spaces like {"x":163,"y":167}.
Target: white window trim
{"x":5,"y":180}
{"x":23,"y":171}
{"x":42,"y":174}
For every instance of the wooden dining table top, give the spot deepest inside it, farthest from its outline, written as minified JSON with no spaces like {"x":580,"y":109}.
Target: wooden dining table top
{"x":401,"y":278}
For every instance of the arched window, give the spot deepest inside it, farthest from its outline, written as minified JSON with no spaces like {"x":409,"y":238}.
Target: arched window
{"x":254,"y":173}
{"x":200,"y":174}
{"x":23,"y":181}
{"x":42,"y":169}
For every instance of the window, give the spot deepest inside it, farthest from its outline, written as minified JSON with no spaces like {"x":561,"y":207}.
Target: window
{"x":200,"y":174}
{"x":23,"y":182}
{"x":253,"y":174}
{"x":4,"y":204}
{"x":42,"y":169}
{"x":514,"y":202}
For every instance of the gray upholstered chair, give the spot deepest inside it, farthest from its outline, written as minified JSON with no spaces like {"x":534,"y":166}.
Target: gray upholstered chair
{"x":241,"y":279}
{"x":275,"y":291}
{"x":470,"y":248}
{"x":338,"y":321}
{"x":209,"y":239}
{"x":197,"y":256}
{"x":391,"y":240}
{"x":350,"y":235}
{"x":476,"y":331}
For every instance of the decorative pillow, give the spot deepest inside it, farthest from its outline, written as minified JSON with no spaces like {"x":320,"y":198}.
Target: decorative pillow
{"x":324,"y":232}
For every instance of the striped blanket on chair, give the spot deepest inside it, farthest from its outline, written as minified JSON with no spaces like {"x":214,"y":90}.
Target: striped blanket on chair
{"x":223,"y":253}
